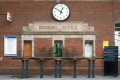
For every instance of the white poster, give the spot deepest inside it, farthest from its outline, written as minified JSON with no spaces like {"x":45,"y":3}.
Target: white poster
{"x":10,"y":46}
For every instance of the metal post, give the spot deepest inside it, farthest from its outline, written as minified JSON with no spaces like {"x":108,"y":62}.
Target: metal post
{"x":60,"y":68}
{"x":89,"y":67}
{"x":93,"y":68}
{"x":41,"y":68}
{"x":56,"y":75}
{"x":74,"y":68}
{"x":27,"y":68}
{"x":22,"y":68}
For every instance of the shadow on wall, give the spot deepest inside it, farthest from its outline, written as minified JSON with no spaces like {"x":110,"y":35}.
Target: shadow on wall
{"x":71,"y":53}
{"x":44,"y":52}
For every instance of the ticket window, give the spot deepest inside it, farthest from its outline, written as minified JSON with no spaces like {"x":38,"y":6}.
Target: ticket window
{"x":58,"y":48}
{"x":89,"y":48}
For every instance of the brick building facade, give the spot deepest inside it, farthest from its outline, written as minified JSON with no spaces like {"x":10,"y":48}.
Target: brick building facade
{"x":100,"y":15}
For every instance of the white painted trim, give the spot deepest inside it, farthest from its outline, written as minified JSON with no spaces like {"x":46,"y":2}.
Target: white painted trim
{"x":33,"y":47}
{"x":27,"y":37}
{"x":89,"y":37}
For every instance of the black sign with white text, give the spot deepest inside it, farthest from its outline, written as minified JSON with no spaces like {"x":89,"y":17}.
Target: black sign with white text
{"x":111,"y":60}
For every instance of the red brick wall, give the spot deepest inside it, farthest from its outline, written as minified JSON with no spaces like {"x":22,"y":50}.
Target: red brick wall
{"x":43,"y":47}
{"x":73,"y":47}
{"x":97,"y":14}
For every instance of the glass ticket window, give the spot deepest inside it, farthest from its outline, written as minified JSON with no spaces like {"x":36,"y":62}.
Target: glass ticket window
{"x":89,"y":48}
{"x":58,"y":48}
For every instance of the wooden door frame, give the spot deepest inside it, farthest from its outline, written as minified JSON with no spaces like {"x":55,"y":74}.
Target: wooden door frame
{"x":22,"y":55}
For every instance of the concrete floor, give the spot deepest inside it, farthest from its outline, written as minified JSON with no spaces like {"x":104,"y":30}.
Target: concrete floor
{"x":36,"y":77}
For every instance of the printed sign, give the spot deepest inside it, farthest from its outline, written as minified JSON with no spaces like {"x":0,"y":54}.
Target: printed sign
{"x":111,"y":60}
{"x":10,"y":46}
{"x":105,"y":43}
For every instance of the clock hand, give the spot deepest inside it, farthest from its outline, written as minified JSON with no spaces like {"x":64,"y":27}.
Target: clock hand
{"x":58,"y":10}
{"x":62,"y":9}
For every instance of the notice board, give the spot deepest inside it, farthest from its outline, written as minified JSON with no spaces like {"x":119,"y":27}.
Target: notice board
{"x":10,"y":46}
{"x":111,"y":60}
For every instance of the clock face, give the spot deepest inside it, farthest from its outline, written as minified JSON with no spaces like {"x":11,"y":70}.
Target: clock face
{"x":60,"y":12}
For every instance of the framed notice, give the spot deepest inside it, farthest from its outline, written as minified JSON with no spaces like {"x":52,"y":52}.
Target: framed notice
{"x":10,"y":46}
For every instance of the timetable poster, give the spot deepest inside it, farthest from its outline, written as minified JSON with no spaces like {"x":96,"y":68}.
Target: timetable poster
{"x":10,"y":46}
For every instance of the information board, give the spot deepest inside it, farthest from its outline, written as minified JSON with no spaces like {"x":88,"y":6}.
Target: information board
{"x":10,"y":46}
{"x":111,"y":60}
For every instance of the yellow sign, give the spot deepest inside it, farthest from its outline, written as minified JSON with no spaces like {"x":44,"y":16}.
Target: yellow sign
{"x":105,"y":43}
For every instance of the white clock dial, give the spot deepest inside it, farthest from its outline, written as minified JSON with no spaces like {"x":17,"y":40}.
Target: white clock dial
{"x":60,"y":12}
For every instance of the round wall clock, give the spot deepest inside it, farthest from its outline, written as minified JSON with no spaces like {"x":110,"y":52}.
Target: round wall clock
{"x":60,"y":12}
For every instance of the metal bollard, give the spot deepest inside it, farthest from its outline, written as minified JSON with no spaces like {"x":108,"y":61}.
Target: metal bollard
{"x":27,"y":68}
{"x":56,"y":71}
{"x":41,"y":68}
{"x":74,"y":69}
{"x":22,"y":68}
{"x":60,"y":69}
{"x":93,"y":68}
{"x":89,"y":68}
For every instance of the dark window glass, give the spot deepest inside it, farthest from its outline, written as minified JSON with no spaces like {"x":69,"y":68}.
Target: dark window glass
{"x":117,"y":29}
{"x":117,"y":25}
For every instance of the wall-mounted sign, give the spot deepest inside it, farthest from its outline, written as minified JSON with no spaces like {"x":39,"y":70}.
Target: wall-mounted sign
{"x":52,"y":26}
{"x":111,"y":60}
{"x":10,"y":46}
{"x":105,"y":43}
{"x":9,"y":16}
